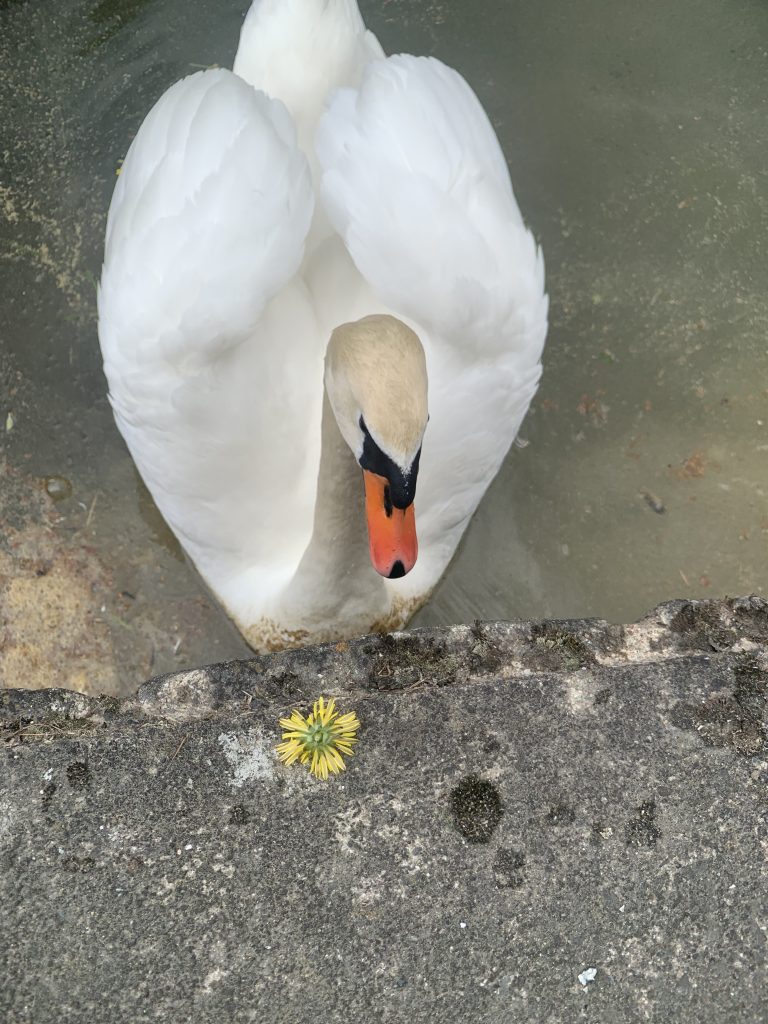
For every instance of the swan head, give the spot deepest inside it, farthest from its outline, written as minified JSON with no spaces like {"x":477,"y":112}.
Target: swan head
{"x":376,"y":381}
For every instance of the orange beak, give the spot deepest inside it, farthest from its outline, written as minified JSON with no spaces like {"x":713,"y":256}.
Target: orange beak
{"x":391,"y":531}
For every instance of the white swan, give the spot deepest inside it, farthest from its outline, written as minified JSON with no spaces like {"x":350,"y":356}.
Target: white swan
{"x":257,"y":213}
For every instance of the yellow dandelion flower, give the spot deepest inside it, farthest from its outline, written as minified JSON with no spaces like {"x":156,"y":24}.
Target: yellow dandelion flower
{"x":320,"y":739}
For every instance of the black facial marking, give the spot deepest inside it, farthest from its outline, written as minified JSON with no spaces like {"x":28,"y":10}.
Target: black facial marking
{"x":402,"y":488}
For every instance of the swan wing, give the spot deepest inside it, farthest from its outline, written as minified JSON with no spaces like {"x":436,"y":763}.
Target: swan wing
{"x":415,"y":182}
{"x":210,"y":348}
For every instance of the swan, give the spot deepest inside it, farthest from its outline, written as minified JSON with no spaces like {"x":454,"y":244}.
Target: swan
{"x":315,"y":271}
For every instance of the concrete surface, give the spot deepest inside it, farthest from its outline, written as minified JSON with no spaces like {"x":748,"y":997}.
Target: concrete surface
{"x":544,"y":823}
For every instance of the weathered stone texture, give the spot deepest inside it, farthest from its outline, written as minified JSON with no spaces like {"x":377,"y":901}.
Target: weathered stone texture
{"x":528,"y":802}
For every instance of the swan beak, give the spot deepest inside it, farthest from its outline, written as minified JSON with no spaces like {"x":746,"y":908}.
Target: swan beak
{"x":391,"y":531}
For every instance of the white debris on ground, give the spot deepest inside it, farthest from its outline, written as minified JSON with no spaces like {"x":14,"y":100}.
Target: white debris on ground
{"x":250,"y":757}
{"x":588,"y":976}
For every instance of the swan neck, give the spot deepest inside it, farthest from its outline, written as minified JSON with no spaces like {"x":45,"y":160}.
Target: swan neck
{"x":339,"y":520}
{"x":335,"y":581}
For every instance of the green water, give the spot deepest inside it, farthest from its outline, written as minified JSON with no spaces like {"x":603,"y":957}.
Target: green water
{"x":637,"y":137}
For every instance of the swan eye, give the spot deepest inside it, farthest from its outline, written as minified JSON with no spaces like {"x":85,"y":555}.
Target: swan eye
{"x":401,"y":487}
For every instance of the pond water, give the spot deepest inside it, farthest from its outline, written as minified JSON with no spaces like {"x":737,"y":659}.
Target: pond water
{"x":636,"y":134}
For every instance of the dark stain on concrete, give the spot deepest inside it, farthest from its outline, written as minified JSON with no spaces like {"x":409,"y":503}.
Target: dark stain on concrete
{"x":642,"y":831}
{"x":239,"y":815}
{"x":402,"y":661}
{"x":484,"y":653}
{"x":477,"y":809}
{"x":733,"y":717}
{"x":77,"y":865}
{"x":49,"y":789}
{"x":492,"y":745}
{"x":556,"y":649}
{"x":717,"y":626}
{"x":560,"y":814}
{"x":509,"y":869}
{"x":13,"y":730}
{"x":78,"y":775}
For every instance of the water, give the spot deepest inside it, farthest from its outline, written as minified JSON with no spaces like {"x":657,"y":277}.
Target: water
{"x":637,"y":138}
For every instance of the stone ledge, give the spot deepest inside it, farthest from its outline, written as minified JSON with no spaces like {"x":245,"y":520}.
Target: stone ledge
{"x":529,"y":802}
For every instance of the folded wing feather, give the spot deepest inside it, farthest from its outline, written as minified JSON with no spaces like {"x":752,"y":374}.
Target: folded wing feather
{"x":202,"y":319}
{"x":415,"y":182}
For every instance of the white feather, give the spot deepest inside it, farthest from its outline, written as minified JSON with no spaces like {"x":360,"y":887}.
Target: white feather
{"x":200,"y":314}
